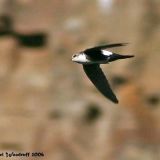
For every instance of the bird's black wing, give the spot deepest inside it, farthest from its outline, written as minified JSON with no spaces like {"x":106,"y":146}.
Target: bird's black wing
{"x":106,"y":46}
{"x":96,"y":75}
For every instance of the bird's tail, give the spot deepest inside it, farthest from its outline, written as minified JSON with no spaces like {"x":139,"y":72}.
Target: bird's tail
{"x":116,"y":56}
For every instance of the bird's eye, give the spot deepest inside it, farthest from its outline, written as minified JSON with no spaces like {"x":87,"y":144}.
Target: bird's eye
{"x":74,"y":55}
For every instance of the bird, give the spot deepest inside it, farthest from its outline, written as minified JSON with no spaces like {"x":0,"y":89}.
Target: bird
{"x":92,"y":58}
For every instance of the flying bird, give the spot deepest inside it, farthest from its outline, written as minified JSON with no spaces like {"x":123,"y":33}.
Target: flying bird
{"x":91,"y":59}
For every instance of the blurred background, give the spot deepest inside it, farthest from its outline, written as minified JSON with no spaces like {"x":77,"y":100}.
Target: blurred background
{"x":47,"y":104}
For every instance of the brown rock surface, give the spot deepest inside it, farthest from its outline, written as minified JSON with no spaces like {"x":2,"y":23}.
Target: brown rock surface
{"x":48,"y":105}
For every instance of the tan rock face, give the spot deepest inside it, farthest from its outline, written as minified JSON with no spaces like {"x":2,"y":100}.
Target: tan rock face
{"x":47,"y":104}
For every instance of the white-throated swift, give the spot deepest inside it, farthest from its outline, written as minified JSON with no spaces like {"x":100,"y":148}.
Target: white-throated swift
{"x":91,"y":59}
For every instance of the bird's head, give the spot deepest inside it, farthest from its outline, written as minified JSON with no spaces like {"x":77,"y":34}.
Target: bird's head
{"x":79,"y":58}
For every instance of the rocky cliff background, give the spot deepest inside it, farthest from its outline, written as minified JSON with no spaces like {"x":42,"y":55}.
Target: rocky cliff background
{"x":46,"y":102}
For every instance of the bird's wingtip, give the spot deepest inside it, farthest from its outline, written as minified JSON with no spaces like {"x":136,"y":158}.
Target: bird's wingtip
{"x":115,"y":101}
{"x":125,"y":43}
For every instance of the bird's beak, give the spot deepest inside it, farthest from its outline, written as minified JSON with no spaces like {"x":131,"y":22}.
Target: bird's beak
{"x":115,"y":57}
{"x":73,"y":59}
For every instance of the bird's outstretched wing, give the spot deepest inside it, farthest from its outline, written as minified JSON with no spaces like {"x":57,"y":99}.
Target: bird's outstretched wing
{"x":107,"y":46}
{"x":96,"y":75}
